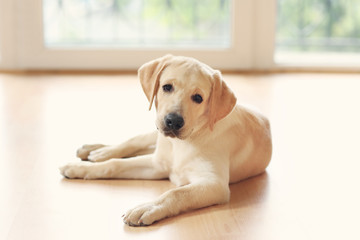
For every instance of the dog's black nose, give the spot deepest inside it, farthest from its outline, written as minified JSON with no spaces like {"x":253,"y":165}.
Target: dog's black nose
{"x":174,"y":121}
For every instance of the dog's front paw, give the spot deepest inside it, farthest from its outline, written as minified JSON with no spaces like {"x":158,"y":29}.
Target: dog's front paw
{"x":77,"y":170}
{"x":145,"y":215}
{"x":85,"y":150}
{"x":103,"y":154}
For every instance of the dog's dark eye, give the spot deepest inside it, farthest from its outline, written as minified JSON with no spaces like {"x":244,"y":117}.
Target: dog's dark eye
{"x":197,"y":98}
{"x":167,"y":88}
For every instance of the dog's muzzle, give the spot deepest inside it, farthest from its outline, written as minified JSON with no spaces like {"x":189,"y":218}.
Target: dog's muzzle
{"x":172,"y":124}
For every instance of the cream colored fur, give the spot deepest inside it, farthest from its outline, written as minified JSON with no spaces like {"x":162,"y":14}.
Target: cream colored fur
{"x":220,"y":142}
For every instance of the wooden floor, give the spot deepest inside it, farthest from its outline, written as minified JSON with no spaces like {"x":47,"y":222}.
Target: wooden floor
{"x":311,"y":189}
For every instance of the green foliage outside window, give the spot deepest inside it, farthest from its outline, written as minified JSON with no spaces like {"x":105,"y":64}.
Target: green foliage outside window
{"x":318,"y":25}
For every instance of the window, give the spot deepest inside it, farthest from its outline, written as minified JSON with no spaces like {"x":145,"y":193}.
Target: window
{"x":318,"y":31}
{"x":226,"y":34}
{"x":77,"y":47}
{"x":137,"y":23}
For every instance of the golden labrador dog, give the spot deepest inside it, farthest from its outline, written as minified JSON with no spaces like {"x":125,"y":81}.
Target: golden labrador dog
{"x":204,"y":141}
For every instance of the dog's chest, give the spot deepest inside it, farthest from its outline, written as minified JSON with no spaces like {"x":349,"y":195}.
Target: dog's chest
{"x":178,"y":174}
{"x":182,"y":156}
{"x":178,"y":179}
{"x":188,"y":164}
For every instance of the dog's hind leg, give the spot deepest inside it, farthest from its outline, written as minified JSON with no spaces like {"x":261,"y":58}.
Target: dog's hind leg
{"x":139,"y":145}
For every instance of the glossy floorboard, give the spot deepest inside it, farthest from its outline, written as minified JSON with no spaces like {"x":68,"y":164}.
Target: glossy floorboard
{"x":311,"y":189}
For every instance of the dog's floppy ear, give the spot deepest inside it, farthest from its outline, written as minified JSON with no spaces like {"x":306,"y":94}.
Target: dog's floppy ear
{"x":149,"y":75}
{"x":222,"y":100}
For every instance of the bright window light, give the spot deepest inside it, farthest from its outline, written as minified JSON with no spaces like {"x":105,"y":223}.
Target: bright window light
{"x":321,"y":31}
{"x":137,"y":23}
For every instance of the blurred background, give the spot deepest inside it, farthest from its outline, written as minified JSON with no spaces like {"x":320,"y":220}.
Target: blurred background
{"x":228,"y":34}
{"x":68,"y":77}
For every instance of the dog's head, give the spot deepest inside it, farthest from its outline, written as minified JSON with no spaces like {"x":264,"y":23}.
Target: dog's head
{"x":188,"y":95}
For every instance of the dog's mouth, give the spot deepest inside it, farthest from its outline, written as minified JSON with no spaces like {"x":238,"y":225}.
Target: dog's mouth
{"x":171,"y":133}
{"x":182,"y":135}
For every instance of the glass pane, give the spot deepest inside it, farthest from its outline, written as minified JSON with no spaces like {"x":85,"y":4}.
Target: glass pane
{"x":137,"y":23}
{"x":317,"y":26}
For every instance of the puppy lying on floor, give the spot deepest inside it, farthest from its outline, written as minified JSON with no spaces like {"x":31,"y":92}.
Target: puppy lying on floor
{"x":204,"y":141}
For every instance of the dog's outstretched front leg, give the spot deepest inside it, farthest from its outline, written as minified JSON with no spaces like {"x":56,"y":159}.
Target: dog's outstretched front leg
{"x":84,"y":152}
{"x":192,"y":196}
{"x":141,"y":167}
{"x":139,"y":145}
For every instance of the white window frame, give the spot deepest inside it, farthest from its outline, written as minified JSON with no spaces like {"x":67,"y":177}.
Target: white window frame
{"x":252,"y":44}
